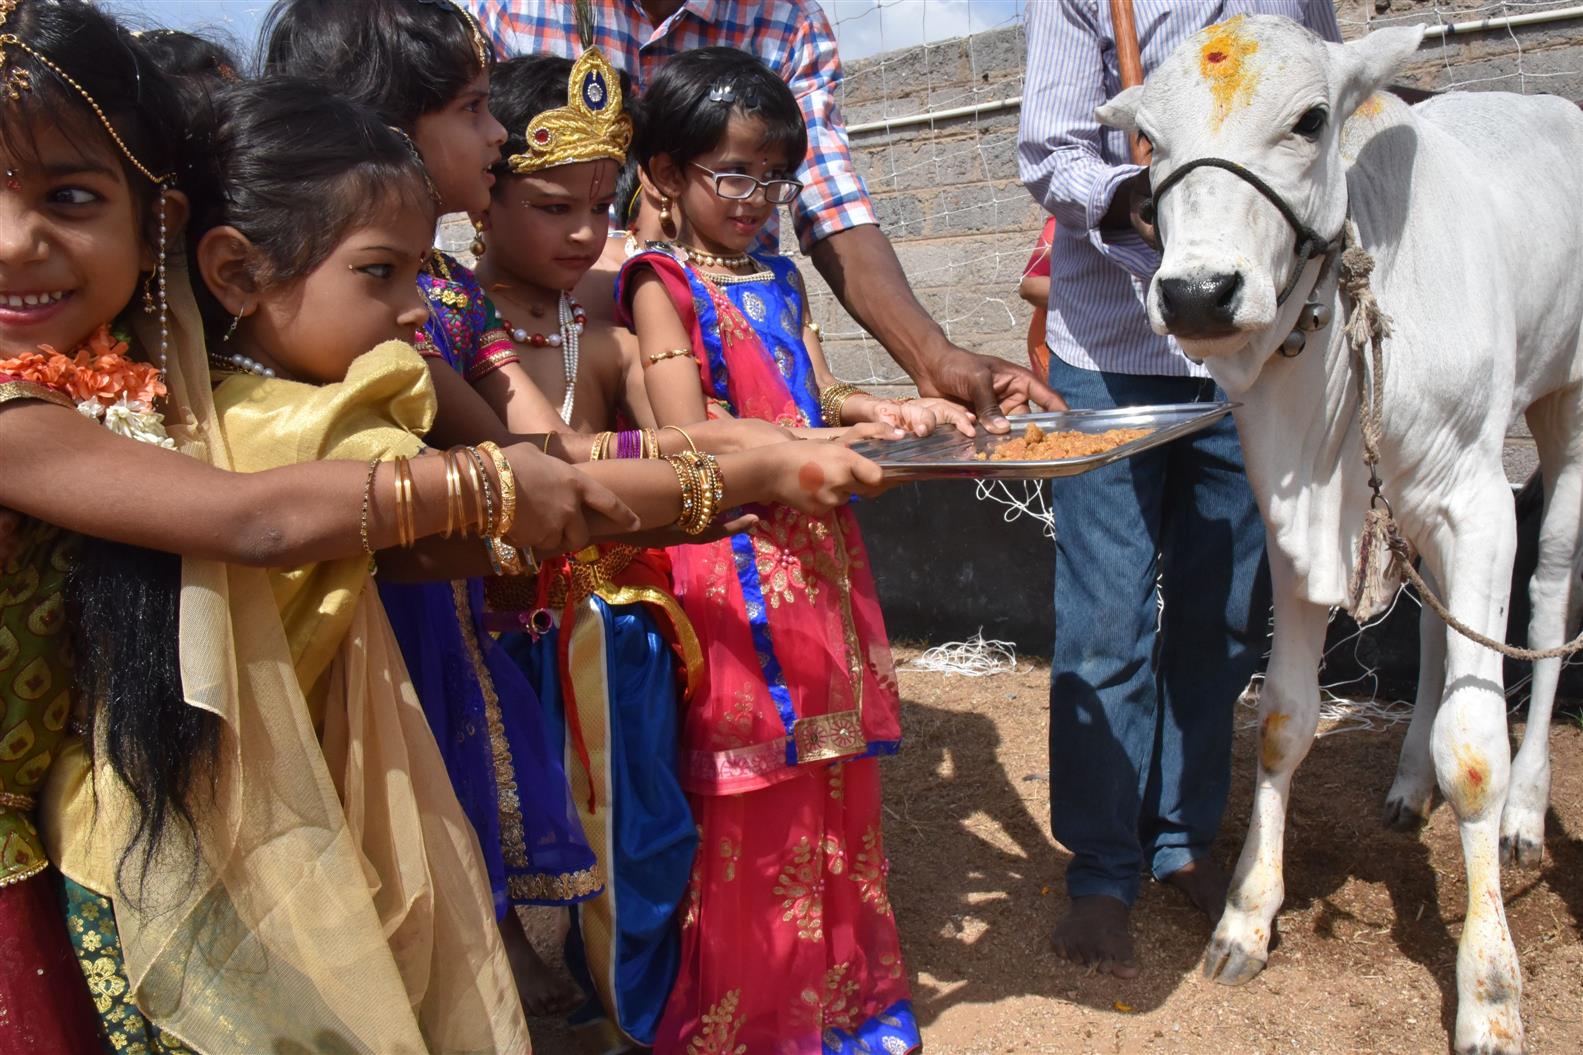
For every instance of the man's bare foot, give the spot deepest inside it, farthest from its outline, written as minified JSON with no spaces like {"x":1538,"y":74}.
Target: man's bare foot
{"x":1096,"y":933}
{"x":1205,"y":884}
{"x":542,"y":991}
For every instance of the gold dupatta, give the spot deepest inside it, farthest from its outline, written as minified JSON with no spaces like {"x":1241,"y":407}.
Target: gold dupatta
{"x":302,"y":924}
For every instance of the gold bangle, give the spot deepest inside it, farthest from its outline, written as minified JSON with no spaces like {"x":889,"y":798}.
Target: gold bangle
{"x":691,"y":445}
{"x":547,"y":437}
{"x":672,"y":353}
{"x":405,"y":534}
{"x":832,"y":399}
{"x":813,"y":326}
{"x":453,"y":495}
{"x":362,"y":520}
{"x":464,"y":458}
{"x":506,"y":558}
{"x":703,"y":490}
{"x":598,"y":451}
{"x":508,"y":487}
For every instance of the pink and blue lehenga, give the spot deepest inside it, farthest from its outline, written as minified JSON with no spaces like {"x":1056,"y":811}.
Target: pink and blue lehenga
{"x":789,"y":944}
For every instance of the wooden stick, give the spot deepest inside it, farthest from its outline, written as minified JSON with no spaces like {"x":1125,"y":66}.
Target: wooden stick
{"x":1130,"y":63}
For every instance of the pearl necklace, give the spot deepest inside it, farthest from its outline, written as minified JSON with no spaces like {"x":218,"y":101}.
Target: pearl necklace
{"x":703,"y":259}
{"x":245,"y":363}
{"x":572,"y":320}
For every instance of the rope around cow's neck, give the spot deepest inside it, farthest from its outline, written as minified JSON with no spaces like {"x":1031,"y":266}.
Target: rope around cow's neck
{"x":1365,"y":331}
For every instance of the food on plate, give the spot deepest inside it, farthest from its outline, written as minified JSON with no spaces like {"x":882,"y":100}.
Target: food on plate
{"x":1036,"y":445}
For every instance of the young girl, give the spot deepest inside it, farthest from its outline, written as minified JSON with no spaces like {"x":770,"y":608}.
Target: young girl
{"x":800,"y":691}
{"x":546,"y":224}
{"x":210,"y":792}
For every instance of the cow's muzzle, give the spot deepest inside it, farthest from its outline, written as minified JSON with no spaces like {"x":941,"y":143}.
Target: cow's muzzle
{"x":1200,"y":305}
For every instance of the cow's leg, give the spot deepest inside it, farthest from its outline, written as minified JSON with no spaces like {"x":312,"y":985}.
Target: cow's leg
{"x":1473,"y":760}
{"x":1555,"y":598}
{"x":1288,"y":716}
{"x":1412,"y":794}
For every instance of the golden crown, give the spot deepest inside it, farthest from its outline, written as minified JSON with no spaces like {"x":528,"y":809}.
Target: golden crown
{"x":591,"y":126}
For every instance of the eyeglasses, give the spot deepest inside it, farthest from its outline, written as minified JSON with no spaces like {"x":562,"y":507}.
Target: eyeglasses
{"x":739,"y":186}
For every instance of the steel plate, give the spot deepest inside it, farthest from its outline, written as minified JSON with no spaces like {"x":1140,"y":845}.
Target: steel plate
{"x":949,"y":455}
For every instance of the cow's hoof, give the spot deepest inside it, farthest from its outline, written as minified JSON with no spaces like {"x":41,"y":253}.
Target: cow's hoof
{"x":1402,"y":814}
{"x":1518,"y":851}
{"x":1229,"y":963}
{"x":1523,"y":834}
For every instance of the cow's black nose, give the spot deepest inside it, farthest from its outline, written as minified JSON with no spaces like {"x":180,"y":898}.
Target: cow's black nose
{"x":1200,"y":305}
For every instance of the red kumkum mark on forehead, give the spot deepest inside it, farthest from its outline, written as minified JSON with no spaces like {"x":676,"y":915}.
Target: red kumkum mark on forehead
{"x":1224,"y":66}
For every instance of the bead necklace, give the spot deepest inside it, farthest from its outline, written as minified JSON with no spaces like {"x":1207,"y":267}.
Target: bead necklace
{"x":572,"y":320}
{"x":237,"y":361}
{"x":703,"y":259}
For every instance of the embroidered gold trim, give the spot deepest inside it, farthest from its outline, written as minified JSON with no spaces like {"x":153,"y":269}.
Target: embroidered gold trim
{"x":16,"y":801}
{"x":27,"y":872}
{"x":11,"y":390}
{"x":513,"y":845}
{"x":568,"y":886}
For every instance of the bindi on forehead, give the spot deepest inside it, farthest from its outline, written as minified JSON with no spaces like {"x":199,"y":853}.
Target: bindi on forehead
{"x":1225,"y":67}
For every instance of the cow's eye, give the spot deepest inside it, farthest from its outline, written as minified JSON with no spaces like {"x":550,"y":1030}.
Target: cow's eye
{"x":1311,"y":123}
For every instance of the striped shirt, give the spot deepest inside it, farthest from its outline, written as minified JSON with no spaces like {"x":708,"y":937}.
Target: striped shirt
{"x":1072,"y":166}
{"x":791,"y":37}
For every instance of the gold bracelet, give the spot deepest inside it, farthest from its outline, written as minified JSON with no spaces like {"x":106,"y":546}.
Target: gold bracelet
{"x":673,"y":353}
{"x":506,"y":558}
{"x":453,"y":496}
{"x":508,"y":488}
{"x":702,"y":490}
{"x":691,"y":445}
{"x":362,"y":520}
{"x":406,"y":532}
{"x":832,"y":399}
{"x":464,"y":459}
{"x":812,"y":326}
{"x":547,"y":437}
{"x":598,"y":451}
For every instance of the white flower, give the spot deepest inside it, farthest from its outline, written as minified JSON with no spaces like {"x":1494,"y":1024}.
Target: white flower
{"x":135,"y":421}
{"x":91,"y":408}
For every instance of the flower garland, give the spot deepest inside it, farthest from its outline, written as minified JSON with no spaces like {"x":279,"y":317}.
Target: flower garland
{"x":106,"y":385}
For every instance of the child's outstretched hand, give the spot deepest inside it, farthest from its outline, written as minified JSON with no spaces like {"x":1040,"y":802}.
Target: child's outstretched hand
{"x":815,"y":477}
{"x":560,"y":509}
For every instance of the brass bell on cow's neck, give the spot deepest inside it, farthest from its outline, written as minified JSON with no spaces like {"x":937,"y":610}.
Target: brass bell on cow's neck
{"x":1313,"y":316}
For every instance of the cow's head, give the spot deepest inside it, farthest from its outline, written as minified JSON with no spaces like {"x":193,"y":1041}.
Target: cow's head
{"x":1265,"y":94}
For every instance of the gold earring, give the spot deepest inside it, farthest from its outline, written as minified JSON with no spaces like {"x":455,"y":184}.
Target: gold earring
{"x":231,"y":330}
{"x":665,"y":212}
{"x":478,"y":246}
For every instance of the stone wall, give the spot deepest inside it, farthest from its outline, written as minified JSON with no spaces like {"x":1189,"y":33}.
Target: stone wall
{"x":948,"y":196}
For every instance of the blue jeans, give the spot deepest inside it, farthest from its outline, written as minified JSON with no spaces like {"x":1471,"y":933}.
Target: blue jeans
{"x":1142,"y":700}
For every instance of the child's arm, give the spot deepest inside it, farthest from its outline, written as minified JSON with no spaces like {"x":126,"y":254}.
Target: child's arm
{"x":634,"y":393}
{"x":462,"y":415}
{"x":918,"y":416}
{"x":518,"y":402}
{"x":672,"y":381}
{"x":60,"y":467}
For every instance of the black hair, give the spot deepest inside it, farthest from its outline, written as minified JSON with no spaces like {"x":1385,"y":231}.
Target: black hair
{"x":690,"y":101}
{"x":294,"y":169}
{"x":106,"y":61}
{"x":629,"y":195}
{"x":522,"y":88}
{"x":402,"y":58}
{"x":122,"y":601}
{"x":196,"y":65}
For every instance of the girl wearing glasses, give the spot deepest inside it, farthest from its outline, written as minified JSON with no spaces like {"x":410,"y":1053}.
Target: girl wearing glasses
{"x":799,"y":691}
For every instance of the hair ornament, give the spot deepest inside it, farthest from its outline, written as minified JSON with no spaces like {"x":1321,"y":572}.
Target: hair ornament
{"x":14,"y":82}
{"x":480,"y":45}
{"x":722,"y":92}
{"x":592,"y":126}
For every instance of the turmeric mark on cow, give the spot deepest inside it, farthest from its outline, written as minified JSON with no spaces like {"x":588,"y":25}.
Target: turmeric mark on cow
{"x":1271,"y":750}
{"x":1470,"y":783}
{"x":1223,"y":65}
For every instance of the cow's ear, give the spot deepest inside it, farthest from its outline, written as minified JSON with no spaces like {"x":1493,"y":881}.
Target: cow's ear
{"x":1367,"y":64}
{"x":1122,"y":111}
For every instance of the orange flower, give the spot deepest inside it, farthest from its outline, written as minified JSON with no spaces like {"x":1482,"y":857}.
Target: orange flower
{"x":99,"y":371}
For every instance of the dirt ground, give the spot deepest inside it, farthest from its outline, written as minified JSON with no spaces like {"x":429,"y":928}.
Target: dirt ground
{"x":1367,"y":937}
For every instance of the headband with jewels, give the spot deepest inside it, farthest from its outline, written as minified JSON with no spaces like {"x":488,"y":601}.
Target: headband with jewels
{"x":15,"y":82}
{"x":592,"y":126}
